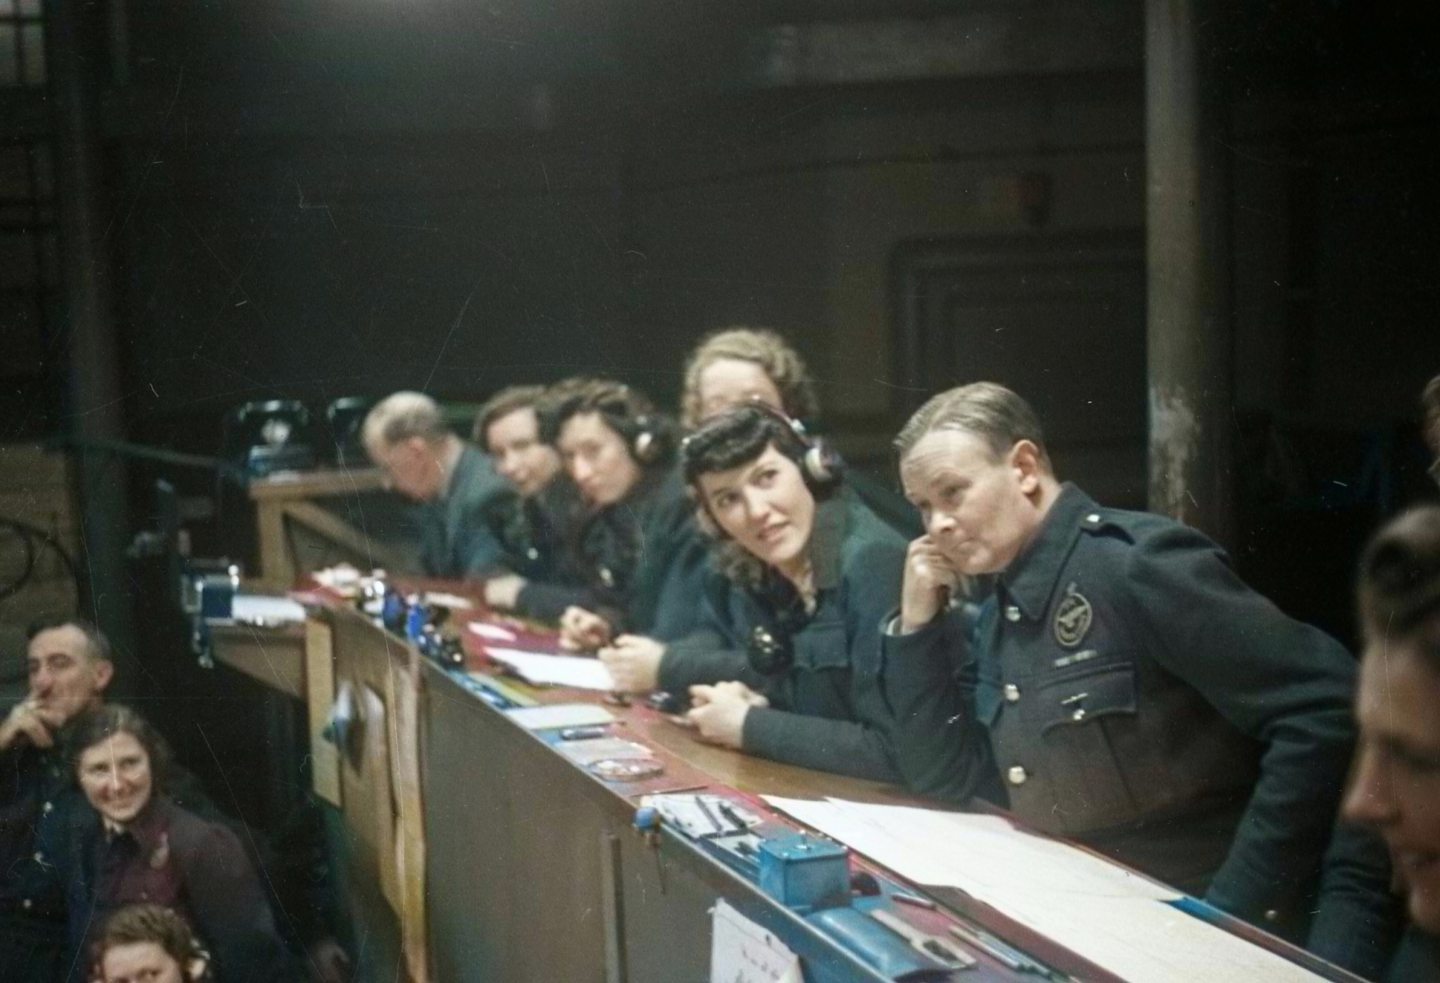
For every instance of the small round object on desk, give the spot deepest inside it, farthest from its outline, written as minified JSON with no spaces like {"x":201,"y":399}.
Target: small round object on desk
{"x":626,"y":769}
{"x":647,"y":818}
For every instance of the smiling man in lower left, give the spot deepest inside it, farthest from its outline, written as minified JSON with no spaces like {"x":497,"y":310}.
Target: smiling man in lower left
{"x":69,"y":670}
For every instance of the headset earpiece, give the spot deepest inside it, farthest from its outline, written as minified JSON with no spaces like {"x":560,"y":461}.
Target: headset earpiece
{"x":646,"y":443}
{"x":821,"y":466}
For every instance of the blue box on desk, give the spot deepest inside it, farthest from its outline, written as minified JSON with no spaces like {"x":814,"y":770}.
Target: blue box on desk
{"x":804,"y":872}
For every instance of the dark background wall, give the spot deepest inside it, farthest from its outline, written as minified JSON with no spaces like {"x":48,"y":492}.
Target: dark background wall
{"x":330,"y":198}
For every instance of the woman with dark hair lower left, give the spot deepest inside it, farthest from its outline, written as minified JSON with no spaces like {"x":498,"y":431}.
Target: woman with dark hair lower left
{"x":140,"y":846}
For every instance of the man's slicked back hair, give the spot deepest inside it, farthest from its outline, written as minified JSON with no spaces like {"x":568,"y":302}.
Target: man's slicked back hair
{"x":987,"y":410}
{"x":97,"y":646}
{"x":403,"y":415}
{"x":1400,"y":581}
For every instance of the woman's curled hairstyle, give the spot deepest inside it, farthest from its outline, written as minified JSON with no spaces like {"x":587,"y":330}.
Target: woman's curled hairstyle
{"x":105,"y":722}
{"x":780,"y":362}
{"x":648,"y":433}
{"x":739,"y":436}
{"x":1400,"y":580}
{"x":734,"y":438}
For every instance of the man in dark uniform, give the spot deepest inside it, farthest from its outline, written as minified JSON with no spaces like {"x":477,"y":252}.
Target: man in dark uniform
{"x":542,"y":578}
{"x":464,"y":502}
{"x":1135,"y":695}
{"x":70,"y":668}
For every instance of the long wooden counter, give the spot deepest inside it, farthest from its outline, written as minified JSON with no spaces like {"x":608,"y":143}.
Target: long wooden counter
{"x":476,"y":851}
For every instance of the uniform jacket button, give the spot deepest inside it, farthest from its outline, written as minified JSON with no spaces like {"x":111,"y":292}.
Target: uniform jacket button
{"x":1093,"y":517}
{"x":27,"y":904}
{"x":1272,"y":915}
{"x":1017,"y":775}
{"x":1012,"y":693}
{"x":1012,"y":613}
{"x":48,"y":807}
{"x":39,"y":857}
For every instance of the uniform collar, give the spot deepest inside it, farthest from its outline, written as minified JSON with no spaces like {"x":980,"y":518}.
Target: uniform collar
{"x":1030,"y":580}
{"x":832,"y":520}
{"x":457,"y":458}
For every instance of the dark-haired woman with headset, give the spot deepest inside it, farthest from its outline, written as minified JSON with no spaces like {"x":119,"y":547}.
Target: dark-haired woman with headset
{"x":785,"y":663}
{"x":638,"y":547}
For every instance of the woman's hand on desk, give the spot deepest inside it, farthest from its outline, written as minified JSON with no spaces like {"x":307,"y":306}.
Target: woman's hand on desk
{"x":582,"y":630}
{"x":503,"y":592}
{"x":634,"y":663}
{"x":718,"y":712}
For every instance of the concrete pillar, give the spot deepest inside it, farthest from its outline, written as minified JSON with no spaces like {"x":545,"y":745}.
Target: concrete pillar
{"x":1189,"y":331}
{"x":94,"y":407}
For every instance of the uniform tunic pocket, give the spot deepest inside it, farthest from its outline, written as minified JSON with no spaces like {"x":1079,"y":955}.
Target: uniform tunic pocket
{"x":822,"y":645}
{"x":1080,"y":714}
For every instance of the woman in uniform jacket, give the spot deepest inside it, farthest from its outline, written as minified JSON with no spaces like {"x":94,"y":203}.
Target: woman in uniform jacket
{"x":139,"y":846}
{"x":785,"y":662}
{"x":638,"y":549}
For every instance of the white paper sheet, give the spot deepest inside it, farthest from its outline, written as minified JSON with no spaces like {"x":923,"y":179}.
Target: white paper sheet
{"x":444,"y":599}
{"x":491,"y":632}
{"x":557,"y":670}
{"x":262,"y":607}
{"x":560,"y":715}
{"x":982,"y":855}
{"x":743,"y":952}
{"x":1150,"y":942}
{"x":1094,"y":908}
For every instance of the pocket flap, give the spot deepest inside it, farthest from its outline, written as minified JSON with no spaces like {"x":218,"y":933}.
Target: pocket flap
{"x":822,"y":645}
{"x":1097,"y":692}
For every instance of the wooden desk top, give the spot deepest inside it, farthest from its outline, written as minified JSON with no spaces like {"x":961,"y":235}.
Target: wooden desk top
{"x":274,"y":656}
{"x":722,"y":768}
{"x":320,"y":483}
{"x":692,"y":763}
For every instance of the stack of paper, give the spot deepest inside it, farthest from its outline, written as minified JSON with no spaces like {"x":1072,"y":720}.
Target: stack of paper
{"x":560,"y":715}
{"x":264,"y":609}
{"x":580,"y":672}
{"x":1098,"y":910}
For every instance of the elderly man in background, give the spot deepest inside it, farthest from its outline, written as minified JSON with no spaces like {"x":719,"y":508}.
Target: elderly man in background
{"x":465,"y":502}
